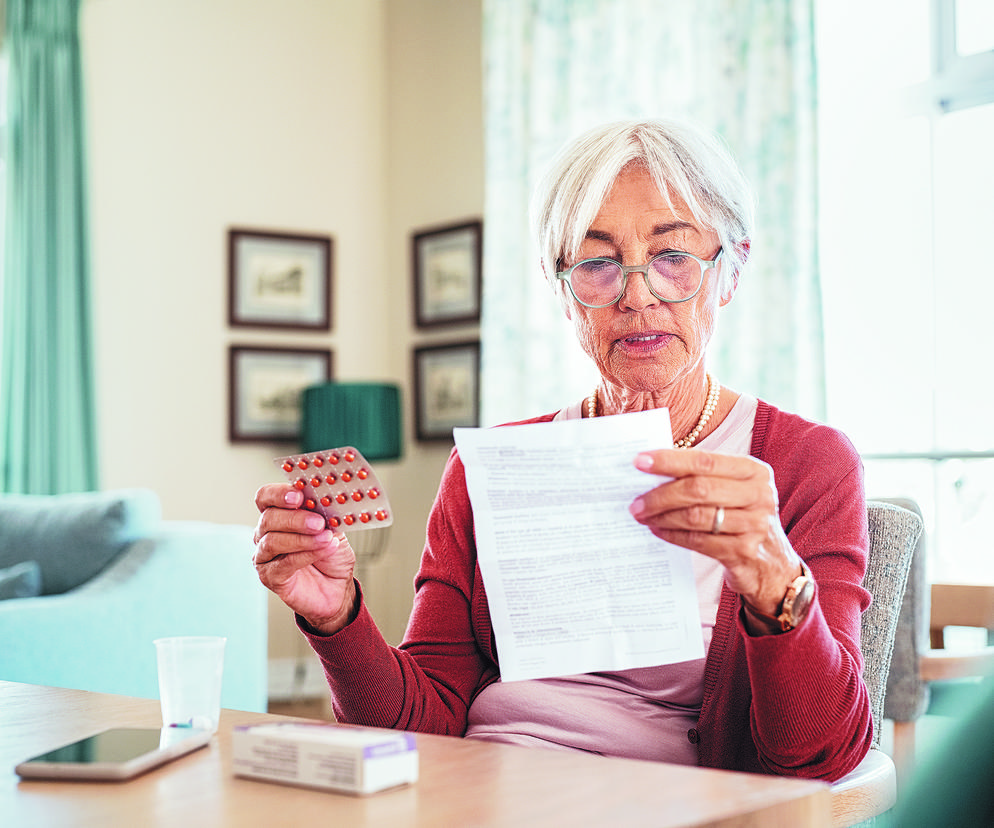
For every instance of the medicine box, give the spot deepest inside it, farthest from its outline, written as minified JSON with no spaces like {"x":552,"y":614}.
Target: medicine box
{"x":352,"y":760}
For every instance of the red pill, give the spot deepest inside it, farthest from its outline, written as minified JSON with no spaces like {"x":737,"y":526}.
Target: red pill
{"x":333,"y":459}
{"x":302,"y":463}
{"x":310,"y":504}
{"x":381,"y":514}
{"x":334,"y":522}
{"x":315,"y":482}
{"x":340,"y":497}
{"x":330,"y":479}
{"x":357,"y":495}
{"x":373,"y":493}
{"x":318,"y":461}
{"x":365,"y":517}
{"x":362,"y":474}
{"x":288,"y":466}
{"x":326,"y":501}
{"x":346,"y":476}
{"x":349,"y":520}
{"x":299,"y":483}
{"x":349,"y":456}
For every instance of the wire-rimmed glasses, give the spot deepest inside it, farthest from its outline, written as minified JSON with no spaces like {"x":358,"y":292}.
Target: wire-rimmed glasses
{"x":673,"y":276}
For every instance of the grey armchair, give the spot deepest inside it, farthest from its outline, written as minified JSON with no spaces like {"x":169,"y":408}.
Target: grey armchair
{"x":871,"y":789}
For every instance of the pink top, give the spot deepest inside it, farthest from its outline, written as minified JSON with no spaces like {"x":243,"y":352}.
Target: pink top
{"x":643,"y":713}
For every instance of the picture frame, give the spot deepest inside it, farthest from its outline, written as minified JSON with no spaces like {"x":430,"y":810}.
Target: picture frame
{"x":446,"y":389}
{"x":279,"y":280}
{"x":448,"y":274}
{"x":264,"y":390}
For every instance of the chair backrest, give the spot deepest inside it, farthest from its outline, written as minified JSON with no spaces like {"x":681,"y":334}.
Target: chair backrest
{"x":894,"y":533}
{"x":907,"y":695}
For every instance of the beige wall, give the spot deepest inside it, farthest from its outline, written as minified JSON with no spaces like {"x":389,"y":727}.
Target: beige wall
{"x":361,"y":120}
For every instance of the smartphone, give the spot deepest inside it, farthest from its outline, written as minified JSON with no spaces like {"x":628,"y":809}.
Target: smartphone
{"x":116,"y":754}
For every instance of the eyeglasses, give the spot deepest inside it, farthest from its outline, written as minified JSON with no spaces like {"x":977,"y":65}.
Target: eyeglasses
{"x":673,"y":276}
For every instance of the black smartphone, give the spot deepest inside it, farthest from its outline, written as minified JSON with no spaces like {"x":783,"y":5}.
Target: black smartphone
{"x":115,"y":754}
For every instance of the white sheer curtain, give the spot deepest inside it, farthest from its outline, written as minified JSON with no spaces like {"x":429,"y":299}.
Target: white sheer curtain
{"x":743,"y":69}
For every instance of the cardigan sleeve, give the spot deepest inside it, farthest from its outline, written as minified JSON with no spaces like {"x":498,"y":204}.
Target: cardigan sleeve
{"x":808,"y":708}
{"x":428,"y":683}
{"x":811,"y":710}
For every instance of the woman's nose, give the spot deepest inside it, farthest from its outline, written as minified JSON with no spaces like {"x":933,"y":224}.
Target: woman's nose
{"x":636,"y":296}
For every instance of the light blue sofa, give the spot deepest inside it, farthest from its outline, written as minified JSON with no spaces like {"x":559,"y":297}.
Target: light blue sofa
{"x":107,"y":576}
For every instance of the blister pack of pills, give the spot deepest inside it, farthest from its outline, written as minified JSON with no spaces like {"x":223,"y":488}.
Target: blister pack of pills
{"x":340,"y":485}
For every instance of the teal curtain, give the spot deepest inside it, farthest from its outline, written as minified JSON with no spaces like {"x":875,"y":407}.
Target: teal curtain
{"x":46,"y":374}
{"x":743,"y":68}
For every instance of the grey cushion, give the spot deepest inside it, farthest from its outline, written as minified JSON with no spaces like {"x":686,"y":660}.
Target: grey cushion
{"x":72,"y":537}
{"x":894,"y":533}
{"x":21,"y":580}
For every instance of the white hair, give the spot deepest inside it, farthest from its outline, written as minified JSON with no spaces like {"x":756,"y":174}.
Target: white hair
{"x":680,"y":157}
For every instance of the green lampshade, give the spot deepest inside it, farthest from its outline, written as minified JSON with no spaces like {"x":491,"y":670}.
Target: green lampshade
{"x":361,"y":414}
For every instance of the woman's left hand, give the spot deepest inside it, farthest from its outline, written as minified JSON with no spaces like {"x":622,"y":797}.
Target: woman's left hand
{"x":759,"y":561}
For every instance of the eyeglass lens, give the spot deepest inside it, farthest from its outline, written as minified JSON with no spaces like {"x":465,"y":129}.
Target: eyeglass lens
{"x":671,"y":277}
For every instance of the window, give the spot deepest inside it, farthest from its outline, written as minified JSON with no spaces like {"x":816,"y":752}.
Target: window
{"x":907,"y":203}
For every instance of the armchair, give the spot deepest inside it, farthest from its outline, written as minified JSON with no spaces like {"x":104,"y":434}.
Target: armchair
{"x":871,"y":789}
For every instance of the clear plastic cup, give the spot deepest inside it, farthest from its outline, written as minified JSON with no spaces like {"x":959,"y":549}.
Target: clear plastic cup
{"x":190,"y":670}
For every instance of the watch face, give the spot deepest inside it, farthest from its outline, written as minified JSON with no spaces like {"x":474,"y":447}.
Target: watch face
{"x":802,"y":602}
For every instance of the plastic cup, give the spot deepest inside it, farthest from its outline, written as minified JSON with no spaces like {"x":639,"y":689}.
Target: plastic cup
{"x":190,"y":669}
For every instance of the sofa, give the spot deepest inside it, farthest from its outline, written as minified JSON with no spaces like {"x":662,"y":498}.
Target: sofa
{"x":88,"y":581}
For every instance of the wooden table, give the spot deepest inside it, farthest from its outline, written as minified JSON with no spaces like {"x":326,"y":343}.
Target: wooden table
{"x":462,"y":782}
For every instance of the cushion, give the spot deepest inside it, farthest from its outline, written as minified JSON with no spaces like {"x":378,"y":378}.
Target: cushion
{"x":72,"y":537}
{"x":22,"y":580}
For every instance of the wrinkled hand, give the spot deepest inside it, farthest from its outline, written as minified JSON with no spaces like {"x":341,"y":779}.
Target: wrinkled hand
{"x":759,"y":561}
{"x":309,"y":567}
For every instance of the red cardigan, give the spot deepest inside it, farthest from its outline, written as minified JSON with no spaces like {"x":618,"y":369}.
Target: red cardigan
{"x":792,"y":704}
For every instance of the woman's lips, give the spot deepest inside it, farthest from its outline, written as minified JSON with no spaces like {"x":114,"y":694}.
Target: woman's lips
{"x":642,"y":343}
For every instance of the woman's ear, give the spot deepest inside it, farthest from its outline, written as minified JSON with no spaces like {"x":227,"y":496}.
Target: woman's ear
{"x":561,"y":291}
{"x":743,"y":250}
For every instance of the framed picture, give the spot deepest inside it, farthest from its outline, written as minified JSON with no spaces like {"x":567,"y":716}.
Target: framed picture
{"x":265,"y":387}
{"x":446,"y":389}
{"x":448,"y":266}
{"x":277,"y":280}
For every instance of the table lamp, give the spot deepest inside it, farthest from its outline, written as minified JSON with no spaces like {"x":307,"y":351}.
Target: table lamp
{"x":365,"y":415}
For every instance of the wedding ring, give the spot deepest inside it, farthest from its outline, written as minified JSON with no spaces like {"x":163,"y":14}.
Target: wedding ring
{"x":719,"y":519}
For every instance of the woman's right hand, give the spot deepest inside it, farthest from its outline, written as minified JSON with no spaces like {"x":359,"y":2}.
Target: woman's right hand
{"x":309,"y":567}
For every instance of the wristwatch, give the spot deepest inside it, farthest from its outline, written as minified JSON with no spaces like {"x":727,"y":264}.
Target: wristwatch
{"x":798,"y":600}
{"x":794,"y":608}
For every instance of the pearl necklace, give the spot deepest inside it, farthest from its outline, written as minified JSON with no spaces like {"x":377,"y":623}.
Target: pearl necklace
{"x":710,"y":405}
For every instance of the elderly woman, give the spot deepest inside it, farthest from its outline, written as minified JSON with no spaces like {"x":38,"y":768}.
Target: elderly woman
{"x":644,"y":228}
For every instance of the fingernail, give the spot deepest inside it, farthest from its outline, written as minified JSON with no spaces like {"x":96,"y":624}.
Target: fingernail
{"x":643,"y":462}
{"x":293,"y":498}
{"x":314,"y":522}
{"x":638,"y":505}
